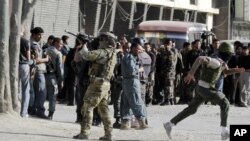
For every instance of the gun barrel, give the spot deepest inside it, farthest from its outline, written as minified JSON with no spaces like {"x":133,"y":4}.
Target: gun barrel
{"x":70,"y":33}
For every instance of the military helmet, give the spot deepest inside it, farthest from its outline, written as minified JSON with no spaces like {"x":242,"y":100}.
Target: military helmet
{"x":226,"y":47}
{"x":107,"y":36}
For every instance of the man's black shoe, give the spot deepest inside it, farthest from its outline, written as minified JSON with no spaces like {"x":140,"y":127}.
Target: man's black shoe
{"x":241,"y":105}
{"x":166,"y":102}
{"x":43,"y":116}
{"x":96,"y":123}
{"x":50,"y":116}
{"x":31,"y":111}
{"x":117,"y":125}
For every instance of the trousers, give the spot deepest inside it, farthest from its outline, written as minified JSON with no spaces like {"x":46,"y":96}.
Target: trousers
{"x":205,"y":94}
{"x":96,"y":96}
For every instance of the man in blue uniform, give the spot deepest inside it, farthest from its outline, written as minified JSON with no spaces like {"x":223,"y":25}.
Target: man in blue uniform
{"x":131,"y":89}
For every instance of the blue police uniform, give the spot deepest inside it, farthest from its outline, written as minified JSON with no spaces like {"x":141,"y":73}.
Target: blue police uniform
{"x":131,"y":88}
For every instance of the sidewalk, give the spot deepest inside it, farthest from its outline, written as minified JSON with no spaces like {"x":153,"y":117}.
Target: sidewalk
{"x":204,"y":125}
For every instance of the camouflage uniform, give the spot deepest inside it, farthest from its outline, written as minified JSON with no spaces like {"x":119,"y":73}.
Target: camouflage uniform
{"x":169,"y":61}
{"x":145,"y":62}
{"x":104,"y":60}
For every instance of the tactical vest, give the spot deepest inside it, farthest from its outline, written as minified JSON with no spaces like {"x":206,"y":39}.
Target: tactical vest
{"x":210,"y":75}
{"x":104,"y":70}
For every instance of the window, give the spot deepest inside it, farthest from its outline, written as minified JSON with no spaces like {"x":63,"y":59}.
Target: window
{"x":193,"y":2}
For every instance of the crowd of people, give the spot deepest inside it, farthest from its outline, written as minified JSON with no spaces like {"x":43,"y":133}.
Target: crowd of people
{"x":131,"y":75}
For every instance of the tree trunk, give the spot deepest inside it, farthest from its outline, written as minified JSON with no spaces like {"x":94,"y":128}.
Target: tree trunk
{"x":14,"y":50}
{"x":27,"y":16}
{"x":5,"y":95}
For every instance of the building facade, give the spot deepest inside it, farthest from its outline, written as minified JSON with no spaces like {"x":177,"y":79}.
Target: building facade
{"x":233,"y":20}
{"x":228,"y":19}
{"x":123,"y":16}
{"x":240,"y":20}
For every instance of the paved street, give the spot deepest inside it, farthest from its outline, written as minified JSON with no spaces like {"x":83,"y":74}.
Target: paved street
{"x":202,"y":126}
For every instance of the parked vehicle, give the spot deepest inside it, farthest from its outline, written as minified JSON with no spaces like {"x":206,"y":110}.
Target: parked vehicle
{"x":179,"y":31}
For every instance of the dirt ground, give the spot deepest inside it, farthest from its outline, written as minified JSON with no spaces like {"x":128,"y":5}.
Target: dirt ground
{"x":203,"y":126}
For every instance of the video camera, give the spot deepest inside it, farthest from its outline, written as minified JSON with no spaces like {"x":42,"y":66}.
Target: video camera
{"x":207,"y":38}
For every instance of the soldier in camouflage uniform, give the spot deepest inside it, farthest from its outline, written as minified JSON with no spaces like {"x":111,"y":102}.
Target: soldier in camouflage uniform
{"x":212,"y":67}
{"x":169,"y":61}
{"x":104,"y":60}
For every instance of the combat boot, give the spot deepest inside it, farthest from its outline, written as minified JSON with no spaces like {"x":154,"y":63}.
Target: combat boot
{"x":142,"y":123}
{"x":125,"y":125}
{"x":50,"y":116}
{"x":81,"y":136}
{"x":107,"y":138}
